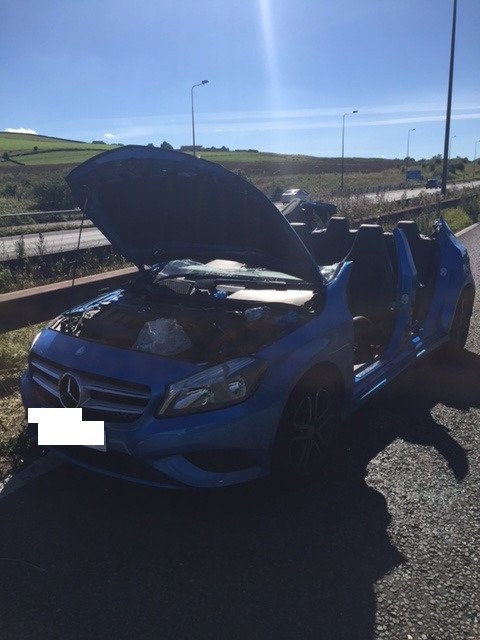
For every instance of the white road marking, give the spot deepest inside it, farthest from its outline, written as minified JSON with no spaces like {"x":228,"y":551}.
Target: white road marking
{"x":467,"y":229}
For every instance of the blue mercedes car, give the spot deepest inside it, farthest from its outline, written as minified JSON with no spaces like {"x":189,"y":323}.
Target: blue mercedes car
{"x":243,"y":340}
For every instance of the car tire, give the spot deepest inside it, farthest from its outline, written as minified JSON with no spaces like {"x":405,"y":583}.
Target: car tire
{"x":460,"y":326}
{"x":307,"y":430}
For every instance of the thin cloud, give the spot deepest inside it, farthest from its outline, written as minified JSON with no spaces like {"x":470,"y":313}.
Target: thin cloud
{"x":21,"y":130}
{"x":415,"y":119}
{"x":286,"y":120}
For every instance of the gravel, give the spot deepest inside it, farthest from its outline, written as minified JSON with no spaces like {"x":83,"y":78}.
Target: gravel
{"x":430,"y":478}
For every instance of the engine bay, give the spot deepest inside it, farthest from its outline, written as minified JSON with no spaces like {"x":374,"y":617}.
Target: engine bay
{"x":200,"y":320}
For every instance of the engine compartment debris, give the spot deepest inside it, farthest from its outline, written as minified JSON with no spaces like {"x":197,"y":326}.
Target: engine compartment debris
{"x":196,"y":319}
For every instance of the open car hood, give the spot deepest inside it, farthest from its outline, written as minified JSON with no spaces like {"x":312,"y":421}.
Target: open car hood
{"x":155,"y":205}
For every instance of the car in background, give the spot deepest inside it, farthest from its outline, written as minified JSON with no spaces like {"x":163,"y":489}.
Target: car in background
{"x":244,"y":340}
{"x":293,"y":194}
{"x":432,"y":183}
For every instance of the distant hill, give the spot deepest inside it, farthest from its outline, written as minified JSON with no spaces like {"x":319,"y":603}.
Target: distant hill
{"x":37,"y":150}
{"x":29,"y":159}
{"x":35,"y":136}
{"x":29,"y":149}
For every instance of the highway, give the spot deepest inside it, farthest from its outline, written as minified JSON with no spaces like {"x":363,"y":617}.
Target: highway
{"x":399,"y":194}
{"x":58,"y":241}
{"x":53,"y":242}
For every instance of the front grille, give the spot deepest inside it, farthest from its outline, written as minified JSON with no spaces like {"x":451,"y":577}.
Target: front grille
{"x":103,"y":398}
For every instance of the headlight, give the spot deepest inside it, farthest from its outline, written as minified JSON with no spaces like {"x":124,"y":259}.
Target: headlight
{"x":35,"y":339}
{"x":52,"y":324}
{"x":220,"y":386}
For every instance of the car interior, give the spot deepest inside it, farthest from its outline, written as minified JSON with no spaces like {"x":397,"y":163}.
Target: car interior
{"x":374,"y":277}
{"x":425,"y":253}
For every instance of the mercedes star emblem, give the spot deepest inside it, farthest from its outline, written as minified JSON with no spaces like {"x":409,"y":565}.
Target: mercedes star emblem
{"x":70,"y":391}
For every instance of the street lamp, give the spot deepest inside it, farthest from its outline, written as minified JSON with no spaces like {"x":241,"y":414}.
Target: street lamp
{"x":474,"y":158}
{"x":408,"y":151}
{"x":449,"y":101}
{"x":343,"y":144}
{"x":193,"y":117}
{"x":450,"y":150}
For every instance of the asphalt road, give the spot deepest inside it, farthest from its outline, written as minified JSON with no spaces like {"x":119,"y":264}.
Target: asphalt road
{"x":386,"y":547}
{"x":53,"y":242}
{"x":398,"y":194}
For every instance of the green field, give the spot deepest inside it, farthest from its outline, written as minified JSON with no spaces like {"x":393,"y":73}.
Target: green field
{"x":36,"y":150}
{"x":19,"y":141}
{"x":30,"y":149}
{"x":23,"y":169}
{"x":24,"y":142}
{"x":62,"y":156}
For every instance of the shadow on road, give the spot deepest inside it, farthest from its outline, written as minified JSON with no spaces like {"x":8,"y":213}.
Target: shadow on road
{"x":455,"y":383}
{"x":86,"y":557}
{"x":404,"y":411}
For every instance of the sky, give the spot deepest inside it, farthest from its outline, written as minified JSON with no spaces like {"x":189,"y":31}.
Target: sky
{"x":281,"y":73}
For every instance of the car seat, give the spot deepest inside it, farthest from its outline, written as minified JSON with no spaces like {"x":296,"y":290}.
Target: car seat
{"x":332,"y":244}
{"x":372,"y":285}
{"x":425,"y":253}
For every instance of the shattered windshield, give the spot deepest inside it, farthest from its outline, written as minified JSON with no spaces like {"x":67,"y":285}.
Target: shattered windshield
{"x":222,"y":269}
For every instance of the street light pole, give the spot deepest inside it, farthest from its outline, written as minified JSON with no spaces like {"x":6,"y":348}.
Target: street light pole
{"x":474,"y":158}
{"x":408,"y":151}
{"x":450,"y":150}
{"x":193,"y":116}
{"x":343,"y":145}
{"x":449,"y":101}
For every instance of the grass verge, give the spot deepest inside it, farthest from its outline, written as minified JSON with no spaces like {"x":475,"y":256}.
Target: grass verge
{"x":457,"y":219}
{"x":36,"y":271}
{"x":14,"y":445}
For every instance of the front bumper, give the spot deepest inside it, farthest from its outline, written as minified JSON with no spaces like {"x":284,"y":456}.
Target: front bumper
{"x":207,"y":450}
